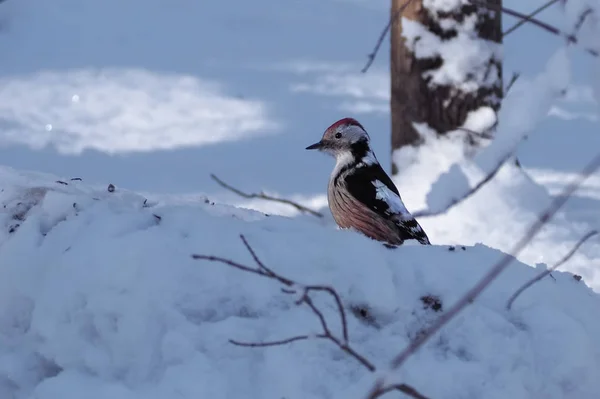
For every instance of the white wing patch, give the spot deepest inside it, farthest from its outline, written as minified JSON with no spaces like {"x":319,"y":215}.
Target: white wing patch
{"x":395,"y":204}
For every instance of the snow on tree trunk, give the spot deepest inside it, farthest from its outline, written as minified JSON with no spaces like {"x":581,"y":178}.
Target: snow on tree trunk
{"x":445,"y":63}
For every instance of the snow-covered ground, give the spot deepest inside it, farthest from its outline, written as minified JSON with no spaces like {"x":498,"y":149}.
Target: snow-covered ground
{"x":100,"y":298}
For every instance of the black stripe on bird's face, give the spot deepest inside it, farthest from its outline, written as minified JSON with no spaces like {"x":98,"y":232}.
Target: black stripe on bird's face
{"x":360,"y":149}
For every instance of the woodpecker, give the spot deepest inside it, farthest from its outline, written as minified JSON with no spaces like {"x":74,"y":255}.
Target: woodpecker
{"x":361,"y":195}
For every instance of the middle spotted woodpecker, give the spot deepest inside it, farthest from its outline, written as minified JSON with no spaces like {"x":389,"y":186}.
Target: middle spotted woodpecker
{"x":360,"y":194}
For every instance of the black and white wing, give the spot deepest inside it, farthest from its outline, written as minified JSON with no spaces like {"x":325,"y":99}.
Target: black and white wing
{"x":373,"y":187}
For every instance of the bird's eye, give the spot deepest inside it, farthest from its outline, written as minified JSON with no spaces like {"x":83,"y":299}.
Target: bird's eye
{"x":338,"y":135}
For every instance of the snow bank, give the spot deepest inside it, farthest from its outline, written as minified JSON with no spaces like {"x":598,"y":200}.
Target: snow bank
{"x":499,"y":213}
{"x":99,"y":297}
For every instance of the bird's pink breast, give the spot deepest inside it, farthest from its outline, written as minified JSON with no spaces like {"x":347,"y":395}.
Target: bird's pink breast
{"x":350,"y":213}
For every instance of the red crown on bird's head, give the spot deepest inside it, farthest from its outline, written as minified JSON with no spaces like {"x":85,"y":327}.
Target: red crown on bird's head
{"x":345,"y":122}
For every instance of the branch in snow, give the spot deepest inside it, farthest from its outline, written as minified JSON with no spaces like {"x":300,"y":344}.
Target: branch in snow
{"x":550,"y":270}
{"x":303,"y":291}
{"x":264,"y":196}
{"x":373,"y":54}
{"x":531,"y":15}
{"x":293,"y":286}
{"x":494,"y":272}
{"x":276,"y":343}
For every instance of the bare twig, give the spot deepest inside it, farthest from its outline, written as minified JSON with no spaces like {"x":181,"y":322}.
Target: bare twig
{"x":582,"y":19}
{"x":511,"y":82}
{"x":455,"y":201}
{"x":531,"y":15}
{"x":571,"y":38}
{"x":393,"y":18}
{"x":237,"y":266}
{"x":275,"y":343}
{"x":474,"y":292}
{"x":295,"y":288}
{"x":264,"y":196}
{"x":338,"y":302}
{"x":550,"y":270}
{"x":257,"y":260}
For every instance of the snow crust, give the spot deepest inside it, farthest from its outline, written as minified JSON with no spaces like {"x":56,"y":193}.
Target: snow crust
{"x":99,"y":297}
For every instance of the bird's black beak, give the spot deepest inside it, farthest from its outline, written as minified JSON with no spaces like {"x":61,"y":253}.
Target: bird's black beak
{"x":315,"y":146}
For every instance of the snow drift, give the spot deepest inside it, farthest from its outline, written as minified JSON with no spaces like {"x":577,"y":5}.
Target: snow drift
{"x":99,"y":296}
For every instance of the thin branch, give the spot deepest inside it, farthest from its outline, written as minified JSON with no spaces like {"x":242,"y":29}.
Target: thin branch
{"x":474,"y":292}
{"x":326,"y":333}
{"x":230,"y":263}
{"x":550,"y":270}
{"x":306,"y":299}
{"x":455,"y":201}
{"x":511,"y":82}
{"x":256,"y":259}
{"x":338,"y":302}
{"x":545,"y":26}
{"x":264,"y":271}
{"x":533,"y":14}
{"x":581,"y":20}
{"x":393,"y":18}
{"x":274,"y":343}
{"x":264,"y":196}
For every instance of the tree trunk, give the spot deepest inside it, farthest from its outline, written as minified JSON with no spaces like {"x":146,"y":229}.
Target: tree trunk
{"x":418,"y":94}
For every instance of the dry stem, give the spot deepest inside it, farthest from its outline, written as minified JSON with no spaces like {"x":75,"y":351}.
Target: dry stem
{"x":571,"y":38}
{"x":469,"y":193}
{"x":267,"y":197}
{"x":373,"y":54}
{"x":550,"y":270}
{"x":293,"y":287}
{"x":531,"y":15}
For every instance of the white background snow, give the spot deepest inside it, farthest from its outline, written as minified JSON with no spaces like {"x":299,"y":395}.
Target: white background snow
{"x":99,"y":298}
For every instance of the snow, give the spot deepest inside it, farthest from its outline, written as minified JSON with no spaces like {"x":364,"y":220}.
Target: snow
{"x":517,"y":118}
{"x":443,"y":5}
{"x":431,"y":181}
{"x":104,"y":297}
{"x":73,"y":110}
{"x":362,"y":94}
{"x":99,"y":297}
{"x":481,"y":120}
{"x":466,"y":58}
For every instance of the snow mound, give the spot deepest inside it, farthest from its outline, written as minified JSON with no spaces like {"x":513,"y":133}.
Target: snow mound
{"x":99,"y":294}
